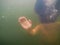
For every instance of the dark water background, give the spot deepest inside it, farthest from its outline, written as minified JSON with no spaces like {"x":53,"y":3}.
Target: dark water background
{"x":11,"y":33}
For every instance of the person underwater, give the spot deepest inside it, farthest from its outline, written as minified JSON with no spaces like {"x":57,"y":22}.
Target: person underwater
{"x":47,"y":12}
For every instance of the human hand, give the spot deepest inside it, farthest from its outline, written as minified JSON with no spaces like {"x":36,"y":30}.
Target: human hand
{"x":25,"y":23}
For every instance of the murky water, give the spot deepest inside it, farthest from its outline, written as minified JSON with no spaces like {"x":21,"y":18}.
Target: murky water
{"x":11,"y":33}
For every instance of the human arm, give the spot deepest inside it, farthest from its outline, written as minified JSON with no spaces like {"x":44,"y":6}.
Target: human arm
{"x":27,"y":25}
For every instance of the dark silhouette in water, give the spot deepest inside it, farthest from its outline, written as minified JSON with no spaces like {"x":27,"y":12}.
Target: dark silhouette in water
{"x":47,"y":10}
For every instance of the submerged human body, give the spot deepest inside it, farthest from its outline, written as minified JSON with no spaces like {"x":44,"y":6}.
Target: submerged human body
{"x":48,"y":33}
{"x":48,"y":27}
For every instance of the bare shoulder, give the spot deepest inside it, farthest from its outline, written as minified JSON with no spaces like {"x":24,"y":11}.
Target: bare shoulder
{"x":49,"y":26}
{"x":46,"y":27}
{"x":56,"y":24}
{"x":52,"y":24}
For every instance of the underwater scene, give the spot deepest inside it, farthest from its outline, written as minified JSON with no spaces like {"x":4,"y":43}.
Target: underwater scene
{"x":29,"y":22}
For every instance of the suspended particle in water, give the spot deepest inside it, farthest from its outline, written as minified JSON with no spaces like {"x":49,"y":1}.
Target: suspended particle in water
{"x":3,"y":16}
{"x":8,"y":8}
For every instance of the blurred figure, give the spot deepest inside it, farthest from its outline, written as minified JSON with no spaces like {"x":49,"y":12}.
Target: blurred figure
{"x":47,"y":11}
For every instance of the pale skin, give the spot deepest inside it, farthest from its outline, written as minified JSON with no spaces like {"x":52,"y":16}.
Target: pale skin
{"x":48,"y":30}
{"x":27,"y":25}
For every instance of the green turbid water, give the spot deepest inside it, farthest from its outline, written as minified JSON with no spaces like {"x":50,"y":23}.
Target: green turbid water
{"x":11,"y":33}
